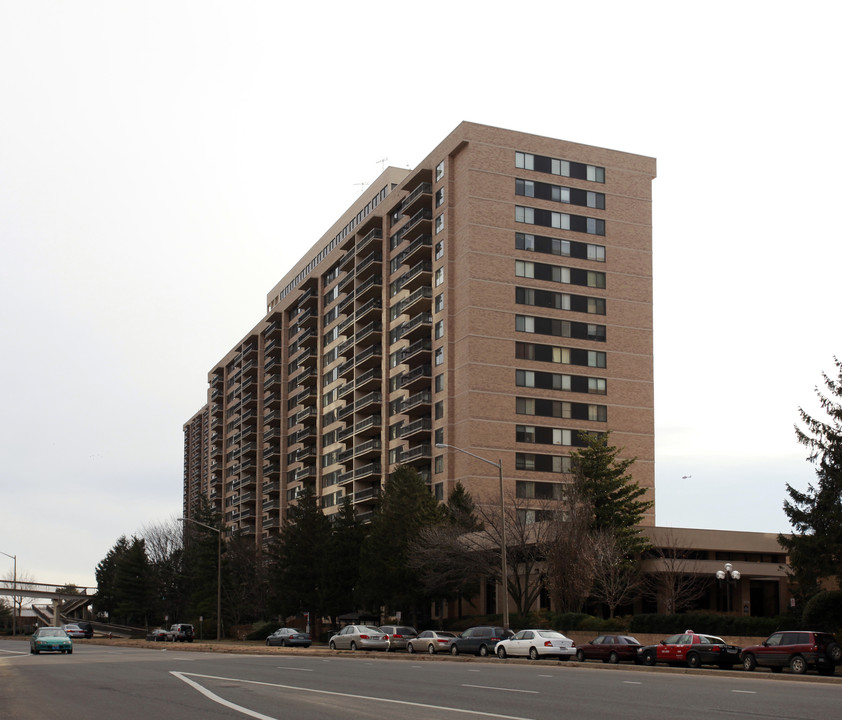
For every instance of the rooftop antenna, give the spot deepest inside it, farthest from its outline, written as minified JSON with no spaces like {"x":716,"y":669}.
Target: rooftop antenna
{"x":383,"y":164}
{"x":362,"y":186}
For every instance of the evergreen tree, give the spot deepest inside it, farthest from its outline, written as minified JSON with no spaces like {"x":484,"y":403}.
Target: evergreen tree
{"x":609,"y":490}
{"x":105,"y":600}
{"x":405,"y":507}
{"x":300,"y":557}
{"x":342,"y":561}
{"x":133,"y":599}
{"x":815,"y":547}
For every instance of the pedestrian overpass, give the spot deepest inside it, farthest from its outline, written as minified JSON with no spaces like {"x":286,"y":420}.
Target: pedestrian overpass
{"x":74,"y":599}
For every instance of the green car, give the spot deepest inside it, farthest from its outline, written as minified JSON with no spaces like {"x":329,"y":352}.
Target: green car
{"x":50,"y":638}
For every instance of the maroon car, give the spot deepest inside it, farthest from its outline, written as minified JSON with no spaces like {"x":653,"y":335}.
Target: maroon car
{"x":796,"y":649}
{"x":609,"y":649}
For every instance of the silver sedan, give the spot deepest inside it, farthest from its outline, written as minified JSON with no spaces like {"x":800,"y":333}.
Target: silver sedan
{"x":359,"y":637}
{"x":432,"y":642}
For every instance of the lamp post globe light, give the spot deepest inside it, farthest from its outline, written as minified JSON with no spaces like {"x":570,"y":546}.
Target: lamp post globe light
{"x":729,"y":577}
{"x":14,"y":593}
{"x":504,"y":574}
{"x":218,"y":572}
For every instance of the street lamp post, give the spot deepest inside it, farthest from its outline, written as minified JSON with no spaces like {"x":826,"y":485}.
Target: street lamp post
{"x":729,"y":576}
{"x":503,"y":567}
{"x":218,"y":572}
{"x":14,"y":591}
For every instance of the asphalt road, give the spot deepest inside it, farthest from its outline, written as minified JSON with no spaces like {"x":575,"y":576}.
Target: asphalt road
{"x":169,"y":683}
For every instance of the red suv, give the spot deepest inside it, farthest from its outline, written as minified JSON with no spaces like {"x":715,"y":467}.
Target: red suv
{"x":797,"y":649}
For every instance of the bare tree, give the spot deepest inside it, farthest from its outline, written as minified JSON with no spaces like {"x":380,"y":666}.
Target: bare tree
{"x":527,"y":533}
{"x":617,"y":577}
{"x":23,"y":579}
{"x":568,"y":552}
{"x":163,"y":540}
{"x":672,"y":575}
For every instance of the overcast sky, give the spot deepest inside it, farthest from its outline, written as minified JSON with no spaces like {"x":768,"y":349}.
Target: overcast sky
{"x":164,"y":164}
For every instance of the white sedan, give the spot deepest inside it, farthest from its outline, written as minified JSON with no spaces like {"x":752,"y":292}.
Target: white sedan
{"x":536,"y":644}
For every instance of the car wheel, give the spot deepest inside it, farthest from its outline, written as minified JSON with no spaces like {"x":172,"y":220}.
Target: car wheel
{"x":410,"y":649}
{"x":834,"y":653}
{"x":454,"y":650}
{"x":613,"y":658}
{"x":353,"y":646}
{"x":649,"y":657}
{"x":483,"y":651}
{"x":283,"y":643}
{"x":694,"y":660}
{"x":798,"y":665}
{"x":268,"y":644}
{"x":431,"y":650}
{"x":501,"y":653}
{"x":749,"y":662}
{"x":533,"y":653}
{"x":580,"y":655}
{"x":332,"y":645}
{"x":31,"y":651}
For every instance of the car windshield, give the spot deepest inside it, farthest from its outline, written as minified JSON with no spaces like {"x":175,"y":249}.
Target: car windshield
{"x":51,"y":632}
{"x":712,"y":639}
{"x":550,"y":634}
{"x":367,"y":629}
{"x":444,"y":633}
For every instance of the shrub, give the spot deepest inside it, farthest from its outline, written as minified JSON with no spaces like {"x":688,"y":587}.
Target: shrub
{"x":823,"y":611}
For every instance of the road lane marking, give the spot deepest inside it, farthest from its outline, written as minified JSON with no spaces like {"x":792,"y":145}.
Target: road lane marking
{"x":631,"y":682}
{"x":251,"y":713}
{"x":488,"y":687}
{"x":745,"y":692}
{"x":14,"y":652}
{"x":281,"y":667}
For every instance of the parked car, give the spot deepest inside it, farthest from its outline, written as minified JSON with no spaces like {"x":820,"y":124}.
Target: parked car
{"x":289,"y":637}
{"x":73,"y":630}
{"x":694,"y":649}
{"x":359,"y":637}
{"x":159,"y":635}
{"x":398,"y":635}
{"x":431,"y":641}
{"x":87,"y":628}
{"x":796,"y":649}
{"x":609,"y":649}
{"x":52,"y":639}
{"x":536,"y":644}
{"x":479,"y":640}
{"x":182,"y":632}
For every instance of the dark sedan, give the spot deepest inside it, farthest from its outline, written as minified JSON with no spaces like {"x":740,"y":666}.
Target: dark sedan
{"x":609,"y":649}
{"x":479,"y":640}
{"x":692,"y":649}
{"x":289,"y":637}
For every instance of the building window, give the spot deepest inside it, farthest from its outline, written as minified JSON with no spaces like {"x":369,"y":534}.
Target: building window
{"x":524,"y":215}
{"x":439,"y":436}
{"x":439,"y":382}
{"x":439,"y":223}
{"x":598,"y":413}
{"x":439,"y":464}
{"x":524,"y":378}
{"x":440,"y":197}
{"x":596,"y":386}
{"x":439,"y":358}
{"x":596,"y":279}
{"x":439,"y":276}
{"x":438,"y":409}
{"x":596,"y":252}
{"x":524,"y":324}
{"x":525,"y":161}
{"x":596,"y":174}
{"x":439,"y":249}
{"x":439,"y":329}
{"x":438,"y":490}
{"x":596,"y":359}
{"x":439,"y":304}
{"x":440,"y":171}
{"x":524,"y":269}
{"x":596,"y":306}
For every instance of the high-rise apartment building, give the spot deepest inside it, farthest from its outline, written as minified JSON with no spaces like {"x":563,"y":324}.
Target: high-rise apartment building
{"x":496,"y":298}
